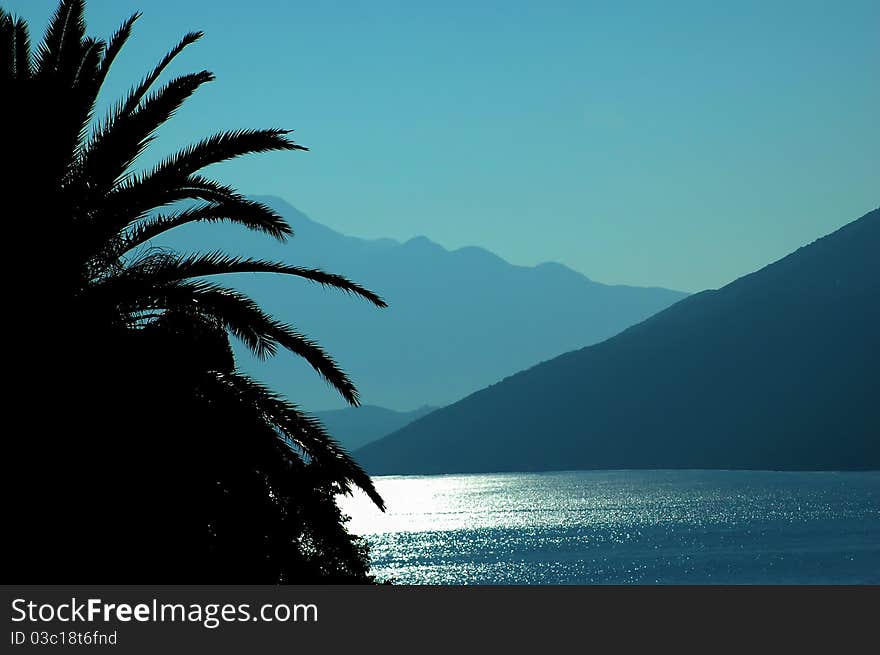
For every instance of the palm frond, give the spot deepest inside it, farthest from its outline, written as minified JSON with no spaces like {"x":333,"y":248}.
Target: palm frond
{"x":253,"y":215}
{"x":22,"y":50}
{"x":84,"y":89}
{"x":174,"y":180}
{"x":247,"y":321}
{"x":164,"y":268}
{"x":7,"y":45}
{"x":197,"y":186}
{"x":222,"y":147}
{"x":139,"y":195}
{"x":61,"y":44}
{"x":301,"y":431}
{"x":73,"y":44}
{"x":114,"y":45}
{"x":15,"y":47}
{"x":85,"y":73}
{"x":137,"y":94}
{"x":113,"y":149}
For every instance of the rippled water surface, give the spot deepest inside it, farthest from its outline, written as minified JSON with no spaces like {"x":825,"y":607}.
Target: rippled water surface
{"x":618,"y":527}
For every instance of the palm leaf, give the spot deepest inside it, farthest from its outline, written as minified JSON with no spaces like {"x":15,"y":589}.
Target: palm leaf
{"x":60,"y":47}
{"x":300,"y":431}
{"x":139,"y":195}
{"x":163,"y":268}
{"x":7,"y":46}
{"x":174,"y":180}
{"x":83,"y":97}
{"x":124,"y":136}
{"x":137,"y":94}
{"x":22,"y":50}
{"x":85,"y":72}
{"x":16,"y":47}
{"x":250,"y":214}
{"x":114,"y":45}
{"x":222,"y":147}
{"x":245,"y":320}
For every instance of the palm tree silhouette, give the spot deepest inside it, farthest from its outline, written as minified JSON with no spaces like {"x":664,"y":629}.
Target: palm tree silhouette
{"x":151,"y":454}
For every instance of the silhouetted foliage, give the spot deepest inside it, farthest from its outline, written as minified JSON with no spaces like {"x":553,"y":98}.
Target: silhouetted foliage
{"x":145,"y":455}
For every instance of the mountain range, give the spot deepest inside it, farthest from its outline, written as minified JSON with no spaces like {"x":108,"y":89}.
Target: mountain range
{"x":354,"y":427}
{"x":778,"y":370}
{"x":457,"y":320}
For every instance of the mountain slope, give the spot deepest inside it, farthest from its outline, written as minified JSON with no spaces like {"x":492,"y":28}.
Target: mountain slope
{"x":457,"y":320}
{"x":354,"y":427}
{"x":777,"y":370}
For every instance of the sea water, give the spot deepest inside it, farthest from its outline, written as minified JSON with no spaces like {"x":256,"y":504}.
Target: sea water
{"x":624,"y":527}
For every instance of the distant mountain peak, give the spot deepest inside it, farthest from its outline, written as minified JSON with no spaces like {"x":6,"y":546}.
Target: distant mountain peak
{"x":559,"y":269}
{"x":423,"y":243}
{"x":457,"y":319}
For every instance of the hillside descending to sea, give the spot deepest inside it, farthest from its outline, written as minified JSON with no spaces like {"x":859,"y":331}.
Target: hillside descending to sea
{"x":778,"y":370}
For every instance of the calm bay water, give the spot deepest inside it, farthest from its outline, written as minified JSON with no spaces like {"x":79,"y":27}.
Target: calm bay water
{"x":625,"y":527}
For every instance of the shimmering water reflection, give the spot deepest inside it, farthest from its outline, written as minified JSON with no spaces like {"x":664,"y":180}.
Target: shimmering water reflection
{"x":619,"y":527}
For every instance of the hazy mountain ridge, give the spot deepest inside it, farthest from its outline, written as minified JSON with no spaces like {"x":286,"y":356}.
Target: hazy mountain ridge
{"x":354,"y":427}
{"x":457,"y":319}
{"x":776,"y":370}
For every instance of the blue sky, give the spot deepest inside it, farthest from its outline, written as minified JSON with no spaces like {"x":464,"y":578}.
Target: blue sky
{"x":679,"y":144}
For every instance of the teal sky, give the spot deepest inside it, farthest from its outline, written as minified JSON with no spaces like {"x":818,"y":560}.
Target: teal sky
{"x":679,"y":144}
